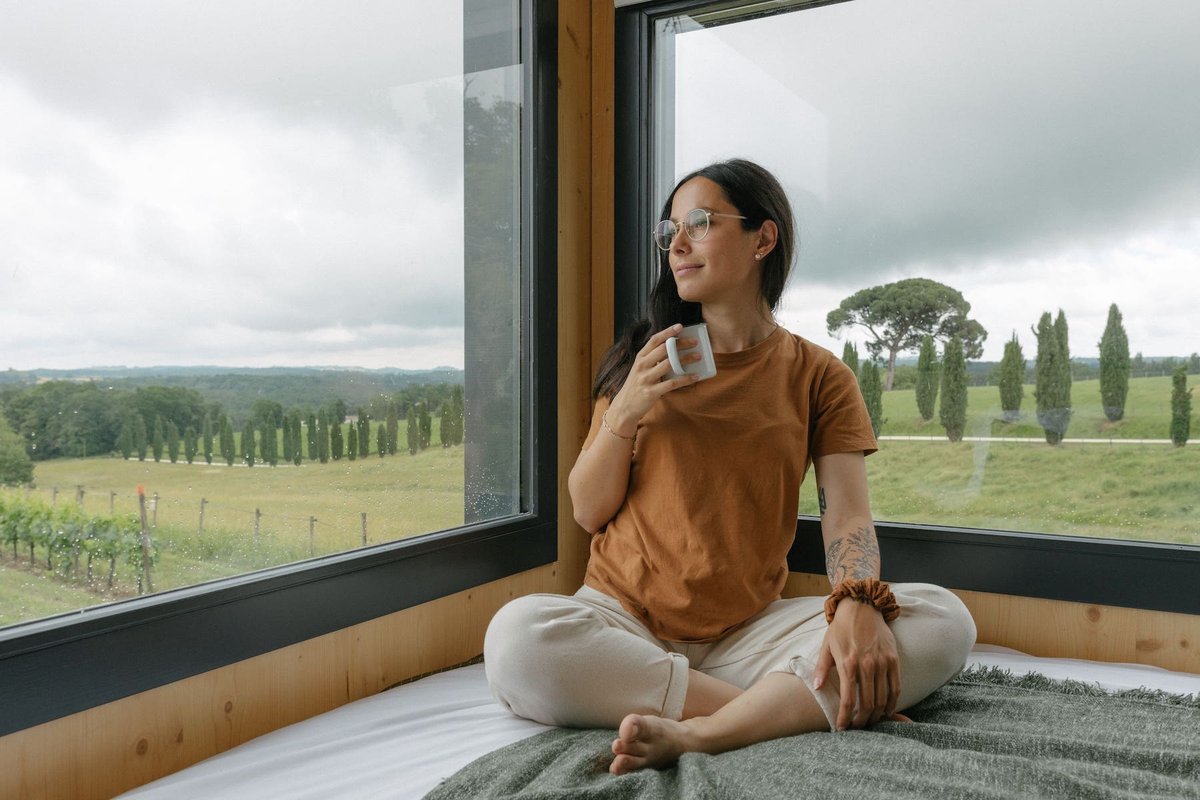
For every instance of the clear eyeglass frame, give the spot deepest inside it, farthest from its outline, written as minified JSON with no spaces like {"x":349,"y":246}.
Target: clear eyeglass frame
{"x":695,"y":224}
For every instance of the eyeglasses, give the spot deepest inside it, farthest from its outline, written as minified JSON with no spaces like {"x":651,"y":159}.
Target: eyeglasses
{"x":695,"y":225}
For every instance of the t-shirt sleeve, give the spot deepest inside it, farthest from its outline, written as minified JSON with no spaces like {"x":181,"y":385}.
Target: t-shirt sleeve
{"x":840,"y":421}
{"x":597,"y":415}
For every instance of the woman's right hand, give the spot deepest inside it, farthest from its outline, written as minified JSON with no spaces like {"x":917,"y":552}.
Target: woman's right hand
{"x":649,"y":380}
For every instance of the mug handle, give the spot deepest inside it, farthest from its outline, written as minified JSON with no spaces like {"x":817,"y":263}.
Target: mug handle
{"x":673,"y":356}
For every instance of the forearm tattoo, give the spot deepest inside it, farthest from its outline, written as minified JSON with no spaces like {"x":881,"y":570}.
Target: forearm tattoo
{"x":853,"y":557}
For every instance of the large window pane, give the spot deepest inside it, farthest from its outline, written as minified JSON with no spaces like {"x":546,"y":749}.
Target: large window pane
{"x":297,"y":225}
{"x":1032,"y":157}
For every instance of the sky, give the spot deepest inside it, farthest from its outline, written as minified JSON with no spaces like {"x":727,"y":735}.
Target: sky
{"x":225,"y":183}
{"x":1033,"y":155}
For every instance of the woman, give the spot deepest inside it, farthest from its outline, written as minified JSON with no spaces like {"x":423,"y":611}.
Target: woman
{"x":678,"y":637}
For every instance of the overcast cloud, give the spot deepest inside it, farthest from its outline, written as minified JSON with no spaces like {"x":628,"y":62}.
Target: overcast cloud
{"x":1031,"y":154}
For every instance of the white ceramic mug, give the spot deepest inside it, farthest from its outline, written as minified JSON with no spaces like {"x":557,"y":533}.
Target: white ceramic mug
{"x":706,"y":367}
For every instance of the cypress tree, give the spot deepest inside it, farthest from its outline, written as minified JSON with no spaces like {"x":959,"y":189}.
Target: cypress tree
{"x":335,"y":440}
{"x":190,"y":447}
{"x":1194,"y":364}
{"x":872,"y":391}
{"x":456,"y":399}
{"x":352,"y":442}
{"x":1053,"y":397}
{"x":425,"y":421}
{"x":414,"y":432}
{"x":381,"y":439}
{"x":323,"y":437}
{"x":139,"y":436}
{"x":270,"y":444}
{"x":125,"y":440}
{"x":287,"y":439}
{"x":297,"y":439}
{"x":953,"y":410}
{"x":393,"y":428}
{"x":207,"y":436}
{"x":1181,"y":407}
{"x":1060,"y":331}
{"x":446,"y":429}
{"x":1114,"y":366}
{"x":364,"y":433}
{"x":927,"y":379}
{"x":850,"y":357}
{"x":248,"y":448}
{"x":1012,"y":379}
{"x":314,"y":450}
{"x":172,"y":436}
{"x":228,"y":452}
{"x":156,"y":439}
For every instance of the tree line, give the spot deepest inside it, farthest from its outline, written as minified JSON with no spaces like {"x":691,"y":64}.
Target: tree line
{"x":910,"y":314}
{"x":59,"y":419}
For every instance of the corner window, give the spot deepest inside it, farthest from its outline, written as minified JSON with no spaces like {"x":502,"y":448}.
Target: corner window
{"x":1027,"y":174}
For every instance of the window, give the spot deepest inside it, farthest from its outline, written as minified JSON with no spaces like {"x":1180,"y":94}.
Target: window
{"x":314,"y":234}
{"x":1028,"y":167}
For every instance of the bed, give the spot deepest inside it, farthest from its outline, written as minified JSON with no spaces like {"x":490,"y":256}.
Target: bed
{"x":404,"y":742}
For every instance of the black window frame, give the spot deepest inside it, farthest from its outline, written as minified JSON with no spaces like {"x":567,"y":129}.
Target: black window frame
{"x":72,"y":662}
{"x":1144,"y":575}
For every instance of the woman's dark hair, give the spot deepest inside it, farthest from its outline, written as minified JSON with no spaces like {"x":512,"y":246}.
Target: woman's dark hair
{"x":757,"y":195}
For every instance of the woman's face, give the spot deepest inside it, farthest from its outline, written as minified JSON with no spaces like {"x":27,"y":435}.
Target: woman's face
{"x":720,"y":268}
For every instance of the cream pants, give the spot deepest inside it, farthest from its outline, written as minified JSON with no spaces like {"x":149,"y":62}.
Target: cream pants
{"x":583,"y":661}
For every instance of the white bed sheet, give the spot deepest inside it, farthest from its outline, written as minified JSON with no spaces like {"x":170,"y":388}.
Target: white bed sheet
{"x":401,"y":743}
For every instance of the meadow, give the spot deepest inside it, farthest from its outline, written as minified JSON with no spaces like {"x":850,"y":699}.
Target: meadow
{"x":1125,"y":491}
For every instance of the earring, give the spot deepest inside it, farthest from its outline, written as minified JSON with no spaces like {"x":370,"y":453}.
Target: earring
{"x":758,"y":256}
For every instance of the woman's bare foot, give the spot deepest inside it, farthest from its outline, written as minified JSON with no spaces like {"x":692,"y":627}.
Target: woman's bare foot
{"x":646,"y":741}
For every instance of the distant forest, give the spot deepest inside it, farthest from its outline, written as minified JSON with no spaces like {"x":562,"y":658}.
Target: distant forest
{"x":72,"y":415}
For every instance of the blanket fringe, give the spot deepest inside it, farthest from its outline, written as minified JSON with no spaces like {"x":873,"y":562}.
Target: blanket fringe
{"x":998,"y":676}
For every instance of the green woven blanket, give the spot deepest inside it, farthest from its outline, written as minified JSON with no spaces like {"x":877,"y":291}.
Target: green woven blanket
{"x":986,"y":734}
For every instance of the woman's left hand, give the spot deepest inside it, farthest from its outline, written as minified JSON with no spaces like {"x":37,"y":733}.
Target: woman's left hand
{"x":862,"y":647}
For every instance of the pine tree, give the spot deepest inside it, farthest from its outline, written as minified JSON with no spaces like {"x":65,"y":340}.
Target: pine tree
{"x":248,"y":444}
{"x":381,"y":439}
{"x":446,"y":429}
{"x":850,"y":357}
{"x":425,"y":422}
{"x":323,"y":437}
{"x":1052,"y":393}
{"x":1012,"y":379}
{"x":125,"y":440}
{"x":1065,"y":377}
{"x":156,"y":439}
{"x":393,"y":428}
{"x":1114,"y":366}
{"x":1181,"y":407}
{"x":927,"y":379}
{"x":207,"y":437}
{"x":414,"y":432}
{"x":364,"y":433}
{"x":190,"y":447}
{"x":872,"y":391}
{"x":297,"y":439}
{"x":335,"y":440}
{"x":352,"y":442}
{"x":270,"y":443}
{"x":139,"y":436}
{"x":953,"y":410}
{"x":172,"y":436}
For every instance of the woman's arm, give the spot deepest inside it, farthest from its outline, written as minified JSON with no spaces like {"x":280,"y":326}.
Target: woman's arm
{"x":600,"y":478}
{"x":859,"y":642}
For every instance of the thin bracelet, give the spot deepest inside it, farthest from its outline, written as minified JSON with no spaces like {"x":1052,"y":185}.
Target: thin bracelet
{"x":604,"y":424}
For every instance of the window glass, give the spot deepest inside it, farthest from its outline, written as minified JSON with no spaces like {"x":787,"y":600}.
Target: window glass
{"x":1024,"y":172}
{"x":260,"y":291}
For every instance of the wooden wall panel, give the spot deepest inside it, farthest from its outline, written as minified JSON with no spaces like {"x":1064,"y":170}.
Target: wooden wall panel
{"x":1061,"y":629}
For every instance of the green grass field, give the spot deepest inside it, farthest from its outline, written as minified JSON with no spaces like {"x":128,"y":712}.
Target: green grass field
{"x":1127,"y":491}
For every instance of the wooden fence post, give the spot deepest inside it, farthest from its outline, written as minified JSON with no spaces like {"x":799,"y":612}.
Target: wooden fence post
{"x":257,"y":517}
{"x":203,"y":501}
{"x":155,"y":508}
{"x":79,"y":496}
{"x":364,"y":523}
{"x":112,"y":503}
{"x":312,"y":523}
{"x":145,"y":576}
{"x":54,"y":497}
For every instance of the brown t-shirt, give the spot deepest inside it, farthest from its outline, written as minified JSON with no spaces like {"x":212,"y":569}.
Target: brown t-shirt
{"x":700,"y":543}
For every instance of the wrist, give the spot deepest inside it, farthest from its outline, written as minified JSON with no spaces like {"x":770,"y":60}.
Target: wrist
{"x":619,"y":422}
{"x":866,"y":591}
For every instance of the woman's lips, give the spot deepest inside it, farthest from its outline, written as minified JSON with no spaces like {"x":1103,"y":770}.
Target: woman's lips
{"x":685,"y":269}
